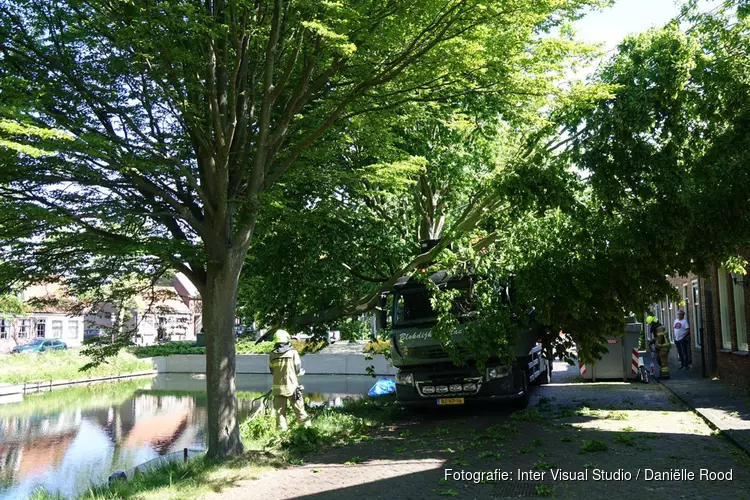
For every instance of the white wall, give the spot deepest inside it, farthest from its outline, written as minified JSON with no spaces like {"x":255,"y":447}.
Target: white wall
{"x":71,"y":332}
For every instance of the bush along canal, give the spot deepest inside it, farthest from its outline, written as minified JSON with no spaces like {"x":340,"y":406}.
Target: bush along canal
{"x":62,"y":443}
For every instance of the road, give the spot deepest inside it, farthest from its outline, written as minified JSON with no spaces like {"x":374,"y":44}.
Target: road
{"x":606,"y":436}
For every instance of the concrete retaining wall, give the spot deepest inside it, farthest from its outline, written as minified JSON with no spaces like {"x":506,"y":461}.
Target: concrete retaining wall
{"x":313,"y":364}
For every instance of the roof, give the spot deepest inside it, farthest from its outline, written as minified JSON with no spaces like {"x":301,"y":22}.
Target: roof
{"x":187,"y":284}
{"x":164,"y":298}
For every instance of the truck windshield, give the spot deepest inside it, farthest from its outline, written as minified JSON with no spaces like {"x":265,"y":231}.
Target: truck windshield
{"x":413,"y":307}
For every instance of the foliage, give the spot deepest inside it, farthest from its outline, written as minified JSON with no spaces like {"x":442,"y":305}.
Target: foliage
{"x":11,"y":306}
{"x":65,"y":365}
{"x":378,"y":347}
{"x":244,"y":346}
{"x":592,"y":446}
{"x":330,"y":426}
{"x":188,"y":119}
{"x":167,"y":349}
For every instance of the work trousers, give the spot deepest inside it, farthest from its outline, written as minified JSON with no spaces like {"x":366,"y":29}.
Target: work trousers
{"x":298,"y":405}
{"x":683,"y":351}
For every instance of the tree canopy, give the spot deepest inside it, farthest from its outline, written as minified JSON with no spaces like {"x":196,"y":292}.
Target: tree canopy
{"x":188,"y":118}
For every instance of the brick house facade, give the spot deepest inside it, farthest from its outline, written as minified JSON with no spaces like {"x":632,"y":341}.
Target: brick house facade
{"x":691,"y":300}
{"x":718,"y":308}
{"x":728,"y":354}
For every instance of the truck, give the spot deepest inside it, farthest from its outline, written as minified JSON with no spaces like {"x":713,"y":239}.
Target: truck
{"x":426,"y":376}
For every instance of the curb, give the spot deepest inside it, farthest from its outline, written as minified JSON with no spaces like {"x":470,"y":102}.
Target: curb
{"x":726,"y":433}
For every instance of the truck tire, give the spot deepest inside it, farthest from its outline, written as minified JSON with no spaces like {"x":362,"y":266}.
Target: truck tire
{"x":523,"y":401}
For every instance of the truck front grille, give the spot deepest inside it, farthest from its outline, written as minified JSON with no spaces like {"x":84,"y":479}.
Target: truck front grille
{"x":463,"y":387}
{"x":432,"y":352}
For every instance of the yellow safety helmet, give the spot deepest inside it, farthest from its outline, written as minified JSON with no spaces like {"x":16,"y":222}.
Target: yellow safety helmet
{"x":281,"y":337}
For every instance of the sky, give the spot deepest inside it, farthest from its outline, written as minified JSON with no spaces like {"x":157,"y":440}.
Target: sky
{"x":626,"y":17}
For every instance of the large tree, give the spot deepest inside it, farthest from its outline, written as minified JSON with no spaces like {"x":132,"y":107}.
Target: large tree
{"x":185,"y":114}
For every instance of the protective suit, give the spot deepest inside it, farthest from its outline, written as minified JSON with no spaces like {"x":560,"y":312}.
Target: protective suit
{"x":285,"y":365}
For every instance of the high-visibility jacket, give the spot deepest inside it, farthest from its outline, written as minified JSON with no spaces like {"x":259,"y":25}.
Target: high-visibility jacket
{"x":284,"y":368}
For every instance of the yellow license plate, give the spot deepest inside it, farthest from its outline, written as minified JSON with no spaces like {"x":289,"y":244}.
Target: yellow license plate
{"x":450,"y":401}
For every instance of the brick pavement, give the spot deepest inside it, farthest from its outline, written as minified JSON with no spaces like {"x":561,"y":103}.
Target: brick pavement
{"x":641,"y":426}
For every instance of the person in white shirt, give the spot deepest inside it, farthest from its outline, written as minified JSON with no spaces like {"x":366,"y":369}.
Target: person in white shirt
{"x":682,"y":339}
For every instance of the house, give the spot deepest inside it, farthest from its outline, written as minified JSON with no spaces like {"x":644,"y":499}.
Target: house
{"x":41,"y":321}
{"x":151,"y":317}
{"x":689,"y":289}
{"x":187,"y":292}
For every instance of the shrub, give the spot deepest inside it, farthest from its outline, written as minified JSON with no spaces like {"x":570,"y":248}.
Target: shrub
{"x":593,"y":446}
{"x":378,"y":347}
{"x":167,"y":349}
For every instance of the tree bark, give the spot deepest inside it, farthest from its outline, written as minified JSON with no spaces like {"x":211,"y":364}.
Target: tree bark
{"x":219,"y":306}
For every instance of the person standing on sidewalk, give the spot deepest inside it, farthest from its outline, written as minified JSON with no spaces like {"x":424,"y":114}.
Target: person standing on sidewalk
{"x":285,"y":364}
{"x":682,"y":339}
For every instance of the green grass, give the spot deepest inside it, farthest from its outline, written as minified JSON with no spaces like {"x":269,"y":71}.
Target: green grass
{"x":194,"y":479}
{"x":624,"y":438}
{"x":65,"y":365}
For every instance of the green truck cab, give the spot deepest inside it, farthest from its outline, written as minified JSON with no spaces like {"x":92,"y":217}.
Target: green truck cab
{"x":426,"y":375}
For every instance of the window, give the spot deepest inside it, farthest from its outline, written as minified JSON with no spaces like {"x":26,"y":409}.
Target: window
{"x":24,"y":328}
{"x":697,"y":319}
{"x":739,"y":316}
{"x":41,"y":328}
{"x":73,"y":329}
{"x":57,"y":328}
{"x":726,"y":336}
{"x":4,"y":329}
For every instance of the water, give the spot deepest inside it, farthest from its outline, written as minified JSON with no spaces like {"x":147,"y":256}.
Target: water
{"x":66,"y":440}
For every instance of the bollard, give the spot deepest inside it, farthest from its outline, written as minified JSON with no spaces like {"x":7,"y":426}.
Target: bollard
{"x":185,"y":455}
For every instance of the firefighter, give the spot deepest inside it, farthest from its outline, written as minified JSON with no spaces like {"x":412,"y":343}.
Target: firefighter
{"x":285,"y":365}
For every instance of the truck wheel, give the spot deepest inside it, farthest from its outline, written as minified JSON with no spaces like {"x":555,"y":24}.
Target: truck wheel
{"x":523,"y":401}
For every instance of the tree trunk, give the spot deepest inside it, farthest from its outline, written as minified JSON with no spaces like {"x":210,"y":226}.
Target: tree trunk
{"x":219,"y":305}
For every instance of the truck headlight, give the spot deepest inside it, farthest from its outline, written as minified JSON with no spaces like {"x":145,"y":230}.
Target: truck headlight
{"x":456,"y":388}
{"x":428,"y":389}
{"x":442,"y":388}
{"x":470,"y":387}
{"x":496,"y":372}
{"x":404,"y":379}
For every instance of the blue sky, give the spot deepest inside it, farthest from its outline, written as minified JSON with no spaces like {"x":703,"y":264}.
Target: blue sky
{"x":626,"y":17}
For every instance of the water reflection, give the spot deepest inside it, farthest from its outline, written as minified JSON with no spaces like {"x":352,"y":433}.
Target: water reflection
{"x":65,"y":440}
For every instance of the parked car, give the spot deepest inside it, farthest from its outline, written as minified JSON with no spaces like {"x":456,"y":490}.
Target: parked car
{"x":41,"y":345}
{"x":92,"y":333}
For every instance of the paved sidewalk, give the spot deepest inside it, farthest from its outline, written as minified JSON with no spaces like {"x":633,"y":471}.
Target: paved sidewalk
{"x":721,"y":405}
{"x":344,"y":347}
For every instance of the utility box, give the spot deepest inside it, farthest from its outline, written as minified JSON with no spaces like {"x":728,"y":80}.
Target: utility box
{"x":621,"y":361}
{"x":200,"y":339}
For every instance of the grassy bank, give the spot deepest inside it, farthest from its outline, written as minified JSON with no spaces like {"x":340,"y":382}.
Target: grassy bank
{"x":93,"y":396}
{"x":64,"y":365}
{"x":266,"y":449}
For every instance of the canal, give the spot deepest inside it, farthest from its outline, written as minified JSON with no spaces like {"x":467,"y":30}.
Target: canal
{"x":66,"y":440}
